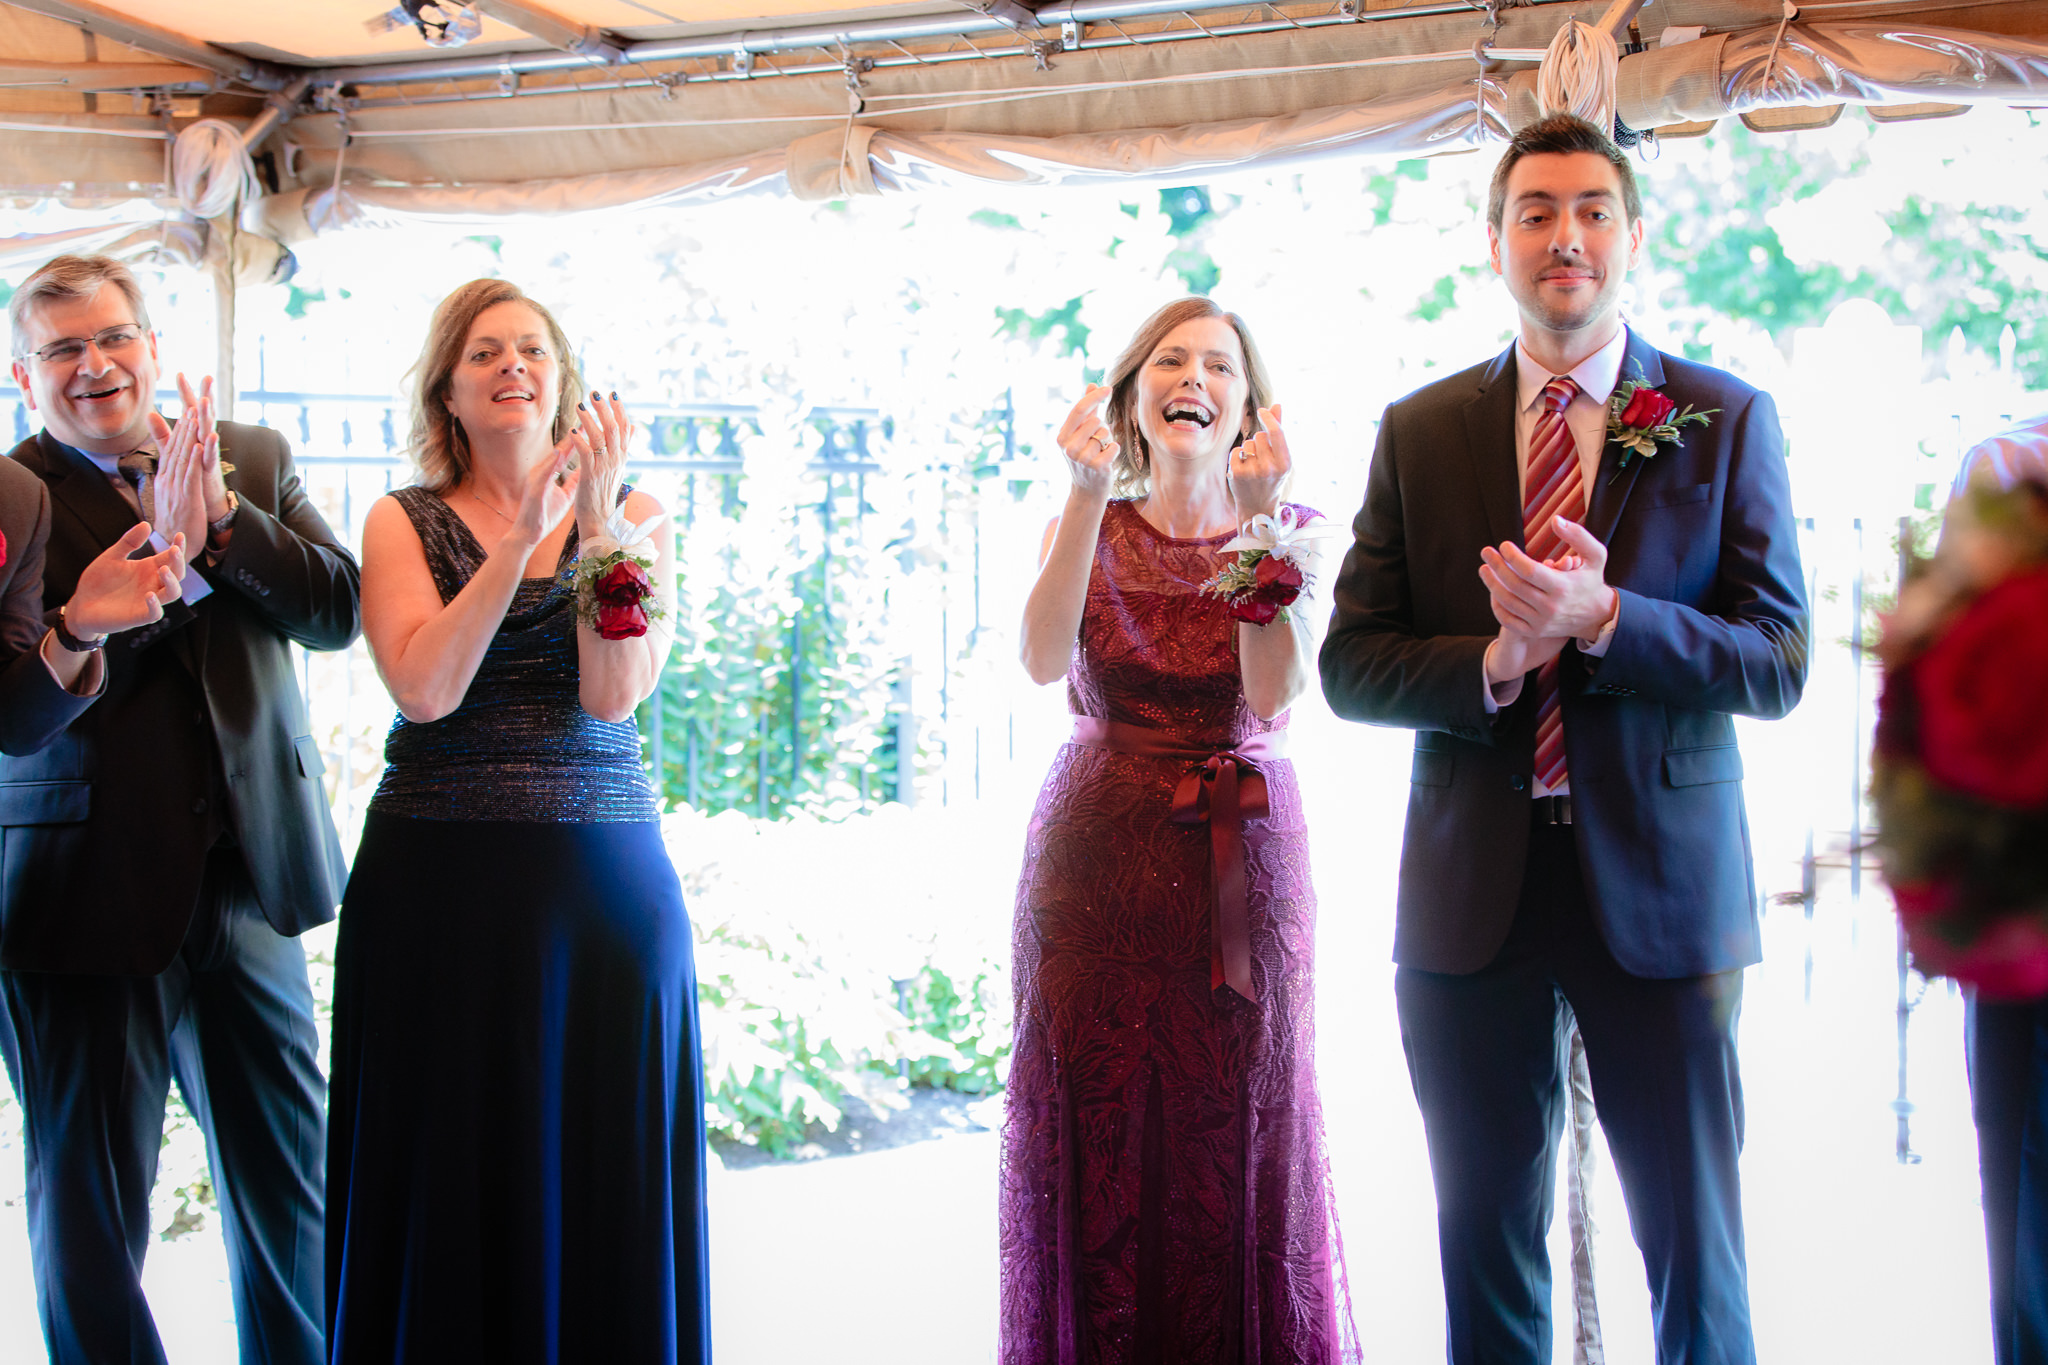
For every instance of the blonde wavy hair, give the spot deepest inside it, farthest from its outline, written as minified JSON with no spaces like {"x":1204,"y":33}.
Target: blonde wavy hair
{"x":437,"y":444}
{"x":1133,"y":468}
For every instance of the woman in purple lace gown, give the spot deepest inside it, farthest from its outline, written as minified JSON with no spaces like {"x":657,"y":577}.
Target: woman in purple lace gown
{"x":1165,"y":1190}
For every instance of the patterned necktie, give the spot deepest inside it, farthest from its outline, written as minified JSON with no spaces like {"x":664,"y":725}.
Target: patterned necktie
{"x":1554,"y":488}
{"x":139,"y":468}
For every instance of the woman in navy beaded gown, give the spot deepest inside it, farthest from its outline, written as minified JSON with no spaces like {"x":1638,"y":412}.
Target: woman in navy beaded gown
{"x":516,"y":1136}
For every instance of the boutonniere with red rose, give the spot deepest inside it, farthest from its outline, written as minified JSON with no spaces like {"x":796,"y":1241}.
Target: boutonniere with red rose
{"x":614,"y":594}
{"x":1640,"y":418}
{"x":3,"y":550}
{"x":1271,"y":568}
{"x":1960,"y":774}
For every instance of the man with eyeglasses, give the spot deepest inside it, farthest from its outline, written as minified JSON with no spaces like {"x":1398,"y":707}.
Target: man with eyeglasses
{"x":165,"y":850}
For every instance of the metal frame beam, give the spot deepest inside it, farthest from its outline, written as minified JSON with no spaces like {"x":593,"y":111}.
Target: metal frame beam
{"x":556,"y":30}
{"x":999,"y":19}
{"x":161,"y":42}
{"x":97,"y":76}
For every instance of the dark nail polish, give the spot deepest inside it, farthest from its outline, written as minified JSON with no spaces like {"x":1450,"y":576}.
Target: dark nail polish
{"x":615,"y":395}
{"x":580,"y":407}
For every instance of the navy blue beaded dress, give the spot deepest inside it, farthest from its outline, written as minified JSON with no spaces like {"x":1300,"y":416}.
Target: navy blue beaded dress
{"x":516,"y":1124}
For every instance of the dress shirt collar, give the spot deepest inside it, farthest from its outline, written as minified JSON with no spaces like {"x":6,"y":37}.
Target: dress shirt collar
{"x":1596,"y":375}
{"x":109,"y":465}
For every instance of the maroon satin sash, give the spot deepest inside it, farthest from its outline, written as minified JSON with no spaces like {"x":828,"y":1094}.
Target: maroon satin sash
{"x":1224,"y":788}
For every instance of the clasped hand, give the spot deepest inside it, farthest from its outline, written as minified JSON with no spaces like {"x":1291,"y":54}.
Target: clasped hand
{"x":1541,"y":604}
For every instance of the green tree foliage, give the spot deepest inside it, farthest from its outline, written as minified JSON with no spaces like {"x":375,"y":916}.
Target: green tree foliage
{"x":1719,"y":225}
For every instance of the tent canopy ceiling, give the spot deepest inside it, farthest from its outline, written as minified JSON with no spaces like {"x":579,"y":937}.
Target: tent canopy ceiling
{"x":559,"y":104}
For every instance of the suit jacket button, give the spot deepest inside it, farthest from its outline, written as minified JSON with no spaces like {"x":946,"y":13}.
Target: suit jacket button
{"x":199,"y":806}
{"x":1518,"y":782}
{"x":199,"y":718}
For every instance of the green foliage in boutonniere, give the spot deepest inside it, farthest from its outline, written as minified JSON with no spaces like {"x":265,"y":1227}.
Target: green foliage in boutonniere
{"x":1640,"y":418}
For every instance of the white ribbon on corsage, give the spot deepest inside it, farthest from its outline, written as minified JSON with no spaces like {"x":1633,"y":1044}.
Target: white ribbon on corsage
{"x":1281,"y":536}
{"x":619,"y":536}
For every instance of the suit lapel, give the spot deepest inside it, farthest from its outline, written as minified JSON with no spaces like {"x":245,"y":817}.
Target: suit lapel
{"x":1610,"y":490}
{"x":1490,"y":444}
{"x":77,"y":485}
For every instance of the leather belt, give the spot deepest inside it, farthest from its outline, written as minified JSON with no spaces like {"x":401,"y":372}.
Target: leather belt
{"x":1222,"y":788}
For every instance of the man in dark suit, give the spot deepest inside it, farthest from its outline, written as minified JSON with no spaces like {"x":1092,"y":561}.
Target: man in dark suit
{"x":1571,"y":633}
{"x":162,"y":853}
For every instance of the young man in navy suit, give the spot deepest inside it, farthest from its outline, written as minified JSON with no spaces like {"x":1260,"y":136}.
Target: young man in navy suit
{"x":1570,"y":623}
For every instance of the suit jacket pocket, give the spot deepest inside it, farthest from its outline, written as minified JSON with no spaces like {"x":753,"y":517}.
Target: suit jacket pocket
{"x":1696,"y":767}
{"x":1431,"y":769}
{"x":311,"y":764}
{"x":44,"y":803}
{"x":1678,"y":497}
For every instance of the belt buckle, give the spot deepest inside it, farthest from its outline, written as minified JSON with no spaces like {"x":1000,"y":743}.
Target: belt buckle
{"x":1553,"y":810}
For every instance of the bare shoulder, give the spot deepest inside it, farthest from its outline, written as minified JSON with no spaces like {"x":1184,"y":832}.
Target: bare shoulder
{"x":640,"y":506}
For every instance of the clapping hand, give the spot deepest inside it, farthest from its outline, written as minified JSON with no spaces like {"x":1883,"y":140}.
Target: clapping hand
{"x":550,"y":488}
{"x":116,"y":593}
{"x":1259,"y":468}
{"x":601,"y":438}
{"x":1089,"y":445}
{"x":1558,"y":598}
{"x":188,"y":489}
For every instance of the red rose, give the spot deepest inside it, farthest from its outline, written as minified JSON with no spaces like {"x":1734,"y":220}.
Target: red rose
{"x":1255,"y":608}
{"x":1647,"y":408}
{"x":1983,"y":693}
{"x":2007,"y":961}
{"x":628,"y":622}
{"x":3,"y":550}
{"x":1273,"y":569}
{"x":624,"y":585}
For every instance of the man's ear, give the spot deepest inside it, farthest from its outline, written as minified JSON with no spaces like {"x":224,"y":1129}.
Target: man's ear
{"x":1635,"y":243}
{"x":1493,"y":246}
{"x":28,"y":394}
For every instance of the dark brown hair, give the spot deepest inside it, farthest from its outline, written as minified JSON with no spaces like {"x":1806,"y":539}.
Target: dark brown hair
{"x":1561,"y":134}
{"x":439,"y":449}
{"x":1133,"y":459}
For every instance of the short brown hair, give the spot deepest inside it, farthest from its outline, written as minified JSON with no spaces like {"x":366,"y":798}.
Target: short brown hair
{"x":71,"y":279}
{"x":437,"y":444}
{"x":1133,"y":470}
{"x":1562,"y":134}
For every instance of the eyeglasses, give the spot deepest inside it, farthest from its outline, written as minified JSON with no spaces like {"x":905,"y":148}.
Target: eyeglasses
{"x":69,"y":350}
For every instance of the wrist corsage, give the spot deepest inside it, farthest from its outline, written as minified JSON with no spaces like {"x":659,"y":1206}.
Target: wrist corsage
{"x":1640,"y":418}
{"x":614,"y":595}
{"x":1271,"y":569}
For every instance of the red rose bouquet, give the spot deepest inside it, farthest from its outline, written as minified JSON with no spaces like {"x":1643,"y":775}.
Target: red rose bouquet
{"x":1270,"y":570}
{"x":1960,"y":773}
{"x":614,"y":595}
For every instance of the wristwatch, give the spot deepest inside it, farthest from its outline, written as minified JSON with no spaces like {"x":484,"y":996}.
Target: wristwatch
{"x":216,"y":529}
{"x":72,"y":642}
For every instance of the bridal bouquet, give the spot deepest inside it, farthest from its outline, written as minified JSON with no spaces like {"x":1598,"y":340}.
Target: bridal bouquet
{"x":1271,"y":568}
{"x":614,"y":594}
{"x":1960,"y":774}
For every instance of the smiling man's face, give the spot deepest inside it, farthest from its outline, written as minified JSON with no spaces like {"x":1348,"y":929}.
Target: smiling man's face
{"x":98,"y":402}
{"x":1565,"y":245}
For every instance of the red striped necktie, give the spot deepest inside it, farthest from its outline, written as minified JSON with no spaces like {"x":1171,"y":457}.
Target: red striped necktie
{"x":1553,"y":488}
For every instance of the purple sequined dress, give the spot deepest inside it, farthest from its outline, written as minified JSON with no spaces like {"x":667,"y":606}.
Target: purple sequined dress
{"x":1165,"y":1187}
